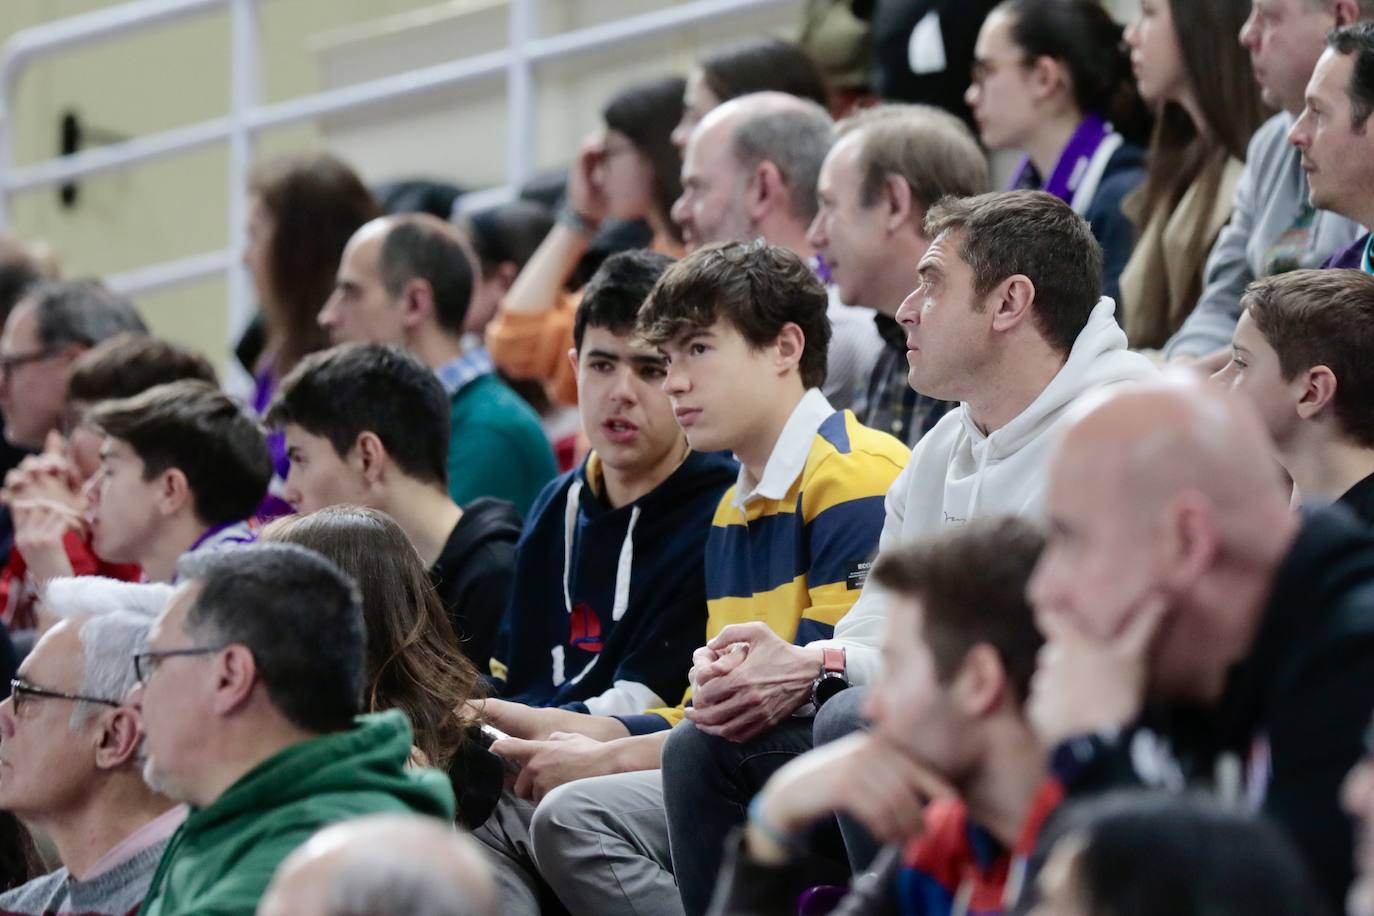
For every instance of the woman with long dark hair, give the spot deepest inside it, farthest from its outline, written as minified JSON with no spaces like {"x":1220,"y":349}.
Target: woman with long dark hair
{"x":1189,"y":65}
{"x":628,"y":170}
{"x":1051,"y":79}
{"x":414,"y":661}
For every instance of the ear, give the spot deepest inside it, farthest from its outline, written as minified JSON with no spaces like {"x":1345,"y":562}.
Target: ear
{"x":791,"y":344}
{"x":981,"y":684}
{"x":1046,"y":76}
{"x":119,"y":738}
{"x":766,"y":192}
{"x":173,"y":492}
{"x":897,"y":193}
{"x":1318,"y":390}
{"x":236,"y":673}
{"x":1191,"y":540}
{"x":572,"y":358}
{"x":1347,"y":12}
{"x":505,"y":274}
{"x":1011,"y":302}
{"x":371,"y":456}
{"x":417,"y":303}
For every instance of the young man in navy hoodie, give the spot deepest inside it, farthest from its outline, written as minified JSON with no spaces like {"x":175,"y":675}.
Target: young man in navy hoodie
{"x":610,"y":596}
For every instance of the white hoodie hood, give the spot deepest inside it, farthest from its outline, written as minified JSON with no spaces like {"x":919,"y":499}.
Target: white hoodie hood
{"x":956,"y":473}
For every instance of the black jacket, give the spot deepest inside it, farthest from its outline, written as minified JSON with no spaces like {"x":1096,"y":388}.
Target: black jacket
{"x":474,"y":574}
{"x":1293,"y":713}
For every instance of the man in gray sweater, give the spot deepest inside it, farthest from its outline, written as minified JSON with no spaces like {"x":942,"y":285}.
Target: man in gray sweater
{"x":69,"y":753}
{"x":1273,"y":228}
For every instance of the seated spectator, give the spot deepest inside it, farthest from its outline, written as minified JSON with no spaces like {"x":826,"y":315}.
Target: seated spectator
{"x":408,"y":280}
{"x":1137,"y":853}
{"x":414,"y":661}
{"x":1009,"y":320}
{"x":250,"y":690}
{"x":53,"y":324}
{"x":628,"y":170}
{"x":1274,"y":226}
{"x":383,"y":865}
{"x":922,"y":52}
{"x":503,"y":238}
{"x":888,"y":167}
{"x":72,"y":767}
{"x":1051,"y":79}
{"x":744,"y":331}
{"x":46,"y":492}
{"x":614,"y":634}
{"x":182,"y":470}
{"x":839,"y":44}
{"x":750,"y":171}
{"x":1333,"y":138}
{"x":1189,"y":66}
{"x":770,"y":65}
{"x":301,"y":212}
{"x":1301,"y":357}
{"x":367,"y":425}
{"x":1194,"y":622}
{"x":950,"y":756}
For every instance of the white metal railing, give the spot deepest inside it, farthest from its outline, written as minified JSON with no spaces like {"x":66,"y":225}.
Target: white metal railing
{"x":247,"y":116}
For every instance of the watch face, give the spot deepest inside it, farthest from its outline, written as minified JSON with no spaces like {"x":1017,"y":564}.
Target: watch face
{"x":827,"y":687}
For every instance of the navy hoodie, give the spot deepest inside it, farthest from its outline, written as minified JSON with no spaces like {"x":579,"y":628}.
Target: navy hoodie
{"x":609,"y":626}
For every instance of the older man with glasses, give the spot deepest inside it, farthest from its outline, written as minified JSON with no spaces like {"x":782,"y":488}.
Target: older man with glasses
{"x":250,"y":688}
{"x":69,"y":761}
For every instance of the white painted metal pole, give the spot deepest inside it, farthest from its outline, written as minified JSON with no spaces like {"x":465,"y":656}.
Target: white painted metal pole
{"x":243,"y":98}
{"x":520,"y":100}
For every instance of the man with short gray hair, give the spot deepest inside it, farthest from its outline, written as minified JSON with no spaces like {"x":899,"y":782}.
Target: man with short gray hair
{"x":384,"y":865}
{"x":51,"y":326}
{"x":69,"y":752}
{"x":749,"y":171}
{"x":251,"y":689}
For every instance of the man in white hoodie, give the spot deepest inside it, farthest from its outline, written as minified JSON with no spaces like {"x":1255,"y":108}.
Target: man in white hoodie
{"x":1008,"y":320}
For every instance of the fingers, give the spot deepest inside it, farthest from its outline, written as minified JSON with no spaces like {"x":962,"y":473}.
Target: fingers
{"x":738,"y":633}
{"x":515,"y":749}
{"x":55,"y":444}
{"x":1140,"y":628}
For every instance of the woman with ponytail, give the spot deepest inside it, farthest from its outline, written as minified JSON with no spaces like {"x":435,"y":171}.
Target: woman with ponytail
{"x":1052,"y":80}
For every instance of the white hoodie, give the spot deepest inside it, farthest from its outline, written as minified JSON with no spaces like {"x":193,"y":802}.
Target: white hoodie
{"x":956,"y":473}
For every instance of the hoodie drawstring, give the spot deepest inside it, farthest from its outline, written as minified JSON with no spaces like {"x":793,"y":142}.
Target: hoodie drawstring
{"x":624,"y":566}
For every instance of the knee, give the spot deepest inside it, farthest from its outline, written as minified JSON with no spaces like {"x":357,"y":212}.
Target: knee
{"x":690,"y":751}
{"x":567,"y":810}
{"x":842,"y":715}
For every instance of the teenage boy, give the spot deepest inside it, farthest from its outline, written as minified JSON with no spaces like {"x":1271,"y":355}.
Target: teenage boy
{"x":744,"y":330}
{"x":367,"y":425}
{"x":612,"y":633}
{"x":1301,"y":357}
{"x":951,"y":774}
{"x":408,"y":280}
{"x":182,"y":469}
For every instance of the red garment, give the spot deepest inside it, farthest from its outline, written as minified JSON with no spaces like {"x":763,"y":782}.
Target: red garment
{"x":18,"y":596}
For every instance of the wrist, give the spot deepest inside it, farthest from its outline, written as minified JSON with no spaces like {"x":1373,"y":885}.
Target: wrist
{"x":577,"y":220}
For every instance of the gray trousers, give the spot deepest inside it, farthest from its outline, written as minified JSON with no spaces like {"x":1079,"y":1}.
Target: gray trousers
{"x":601,"y":845}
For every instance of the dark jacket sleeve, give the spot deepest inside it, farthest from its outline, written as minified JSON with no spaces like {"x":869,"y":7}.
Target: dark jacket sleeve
{"x":1114,"y":229}
{"x":486,"y":595}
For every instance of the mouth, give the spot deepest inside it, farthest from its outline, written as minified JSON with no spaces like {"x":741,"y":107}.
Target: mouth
{"x":619,"y":430}
{"x":686,"y":416}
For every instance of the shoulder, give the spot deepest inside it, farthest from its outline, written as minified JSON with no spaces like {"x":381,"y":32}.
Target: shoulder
{"x":850,"y":461}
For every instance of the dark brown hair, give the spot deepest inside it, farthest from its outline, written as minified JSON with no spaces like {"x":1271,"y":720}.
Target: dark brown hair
{"x":316,"y":203}
{"x":414,"y":662}
{"x":762,"y":66}
{"x":1323,"y":318}
{"x":1357,"y":40}
{"x":1034,"y":234}
{"x":971,"y":583}
{"x":756,"y":287}
{"x":1219,"y":72}
{"x":199,"y":430}
{"x":646,"y":113}
{"x":130,"y":363}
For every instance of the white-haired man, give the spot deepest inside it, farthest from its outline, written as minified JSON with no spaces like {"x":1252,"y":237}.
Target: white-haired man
{"x":69,"y":752}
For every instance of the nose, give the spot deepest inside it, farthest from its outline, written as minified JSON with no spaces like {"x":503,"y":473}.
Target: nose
{"x":329,"y":314}
{"x":675,"y":380}
{"x":1248,"y":32}
{"x":1132,"y":35}
{"x":681,"y":211}
{"x":90,"y":490}
{"x":623,"y":391}
{"x":1357,"y":792}
{"x":1297,"y":134}
{"x":971,"y":95}
{"x":291,"y":491}
{"x":909,"y":312}
{"x":7,"y":717}
{"x":681,"y":132}
{"x":815,"y":234}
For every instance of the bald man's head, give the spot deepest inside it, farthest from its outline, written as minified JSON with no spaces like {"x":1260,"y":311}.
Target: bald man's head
{"x":1159,"y":492}
{"x":383,"y":865}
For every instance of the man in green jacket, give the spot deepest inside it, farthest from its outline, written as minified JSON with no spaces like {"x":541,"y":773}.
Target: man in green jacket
{"x":250,"y":689}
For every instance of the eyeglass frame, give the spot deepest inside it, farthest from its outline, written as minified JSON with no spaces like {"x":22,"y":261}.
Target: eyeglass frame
{"x":141,"y":659}
{"x":21,"y":687}
{"x":10,"y":362}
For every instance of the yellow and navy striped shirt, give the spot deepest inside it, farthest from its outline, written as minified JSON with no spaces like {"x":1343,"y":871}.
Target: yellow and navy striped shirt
{"x":794,"y":550}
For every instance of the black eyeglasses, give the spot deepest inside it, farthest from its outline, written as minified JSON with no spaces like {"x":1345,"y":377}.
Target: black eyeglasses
{"x":21,"y":690}
{"x":145,"y":663}
{"x":11,"y":361}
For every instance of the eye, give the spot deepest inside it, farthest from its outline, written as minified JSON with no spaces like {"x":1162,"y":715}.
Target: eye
{"x":697,"y":349}
{"x":652,"y":374}
{"x":599,"y":365}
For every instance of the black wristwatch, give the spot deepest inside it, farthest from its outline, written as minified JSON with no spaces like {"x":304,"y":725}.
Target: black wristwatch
{"x":832,"y":678}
